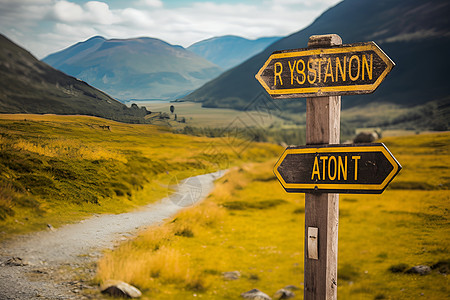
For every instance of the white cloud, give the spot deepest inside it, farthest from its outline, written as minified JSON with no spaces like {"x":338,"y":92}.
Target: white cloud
{"x":68,"y":21}
{"x":98,"y":12}
{"x":65,"y":11}
{"x":134,"y":17}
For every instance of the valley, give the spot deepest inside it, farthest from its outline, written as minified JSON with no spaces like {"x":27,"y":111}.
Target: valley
{"x":126,"y":157}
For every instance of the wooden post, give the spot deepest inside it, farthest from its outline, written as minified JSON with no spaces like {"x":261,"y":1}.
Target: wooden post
{"x":322,"y":209}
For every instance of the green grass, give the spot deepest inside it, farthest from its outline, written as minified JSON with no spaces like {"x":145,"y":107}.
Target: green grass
{"x":59,"y":169}
{"x":251,"y":225}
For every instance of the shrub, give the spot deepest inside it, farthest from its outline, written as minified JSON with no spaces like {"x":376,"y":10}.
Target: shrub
{"x":398,"y":268}
{"x":348,"y":272}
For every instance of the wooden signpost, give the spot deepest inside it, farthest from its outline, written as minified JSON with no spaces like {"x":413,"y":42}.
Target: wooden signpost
{"x":324,"y":71}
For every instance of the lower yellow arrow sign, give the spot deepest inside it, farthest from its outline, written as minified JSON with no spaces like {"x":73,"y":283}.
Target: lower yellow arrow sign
{"x":337,"y":168}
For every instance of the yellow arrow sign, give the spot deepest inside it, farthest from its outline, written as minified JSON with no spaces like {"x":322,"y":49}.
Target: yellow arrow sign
{"x":340,"y":70}
{"x":337,"y":168}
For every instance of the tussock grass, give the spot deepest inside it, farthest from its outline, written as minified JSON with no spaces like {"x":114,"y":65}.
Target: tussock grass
{"x":151,"y":260}
{"x":377,"y":233}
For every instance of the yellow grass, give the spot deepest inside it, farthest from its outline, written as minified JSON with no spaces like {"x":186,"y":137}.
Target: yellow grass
{"x":69,"y":148}
{"x":259,"y":231}
{"x":64,"y":168}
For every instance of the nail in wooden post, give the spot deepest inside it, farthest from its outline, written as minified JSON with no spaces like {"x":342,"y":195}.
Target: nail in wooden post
{"x":322,"y":209}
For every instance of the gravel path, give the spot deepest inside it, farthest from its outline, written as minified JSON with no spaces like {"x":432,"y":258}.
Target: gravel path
{"x":32,"y":266}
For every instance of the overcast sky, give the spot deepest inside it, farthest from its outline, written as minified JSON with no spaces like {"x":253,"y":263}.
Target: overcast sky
{"x":47,"y":26}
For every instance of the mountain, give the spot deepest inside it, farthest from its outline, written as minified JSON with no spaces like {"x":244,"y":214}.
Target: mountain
{"x":228,"y":51}
{"x":140,"y":68}
{"x":28,"y":85}
{"x":414,"y":33}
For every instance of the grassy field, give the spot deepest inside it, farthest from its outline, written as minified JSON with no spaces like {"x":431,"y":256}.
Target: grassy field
{"x":249,"y":224}
{"x":59,"y":169}
{"x":268,"y":122}
{"x":198,"y":116}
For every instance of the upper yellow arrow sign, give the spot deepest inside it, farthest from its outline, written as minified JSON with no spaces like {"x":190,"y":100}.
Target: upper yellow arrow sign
{"x":340,"y":70}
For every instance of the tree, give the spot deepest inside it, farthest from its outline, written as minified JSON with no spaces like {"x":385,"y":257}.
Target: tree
{"x":172,"y":108}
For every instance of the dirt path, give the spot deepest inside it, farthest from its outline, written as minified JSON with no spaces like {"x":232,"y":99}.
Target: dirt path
{"x":49,"y":259}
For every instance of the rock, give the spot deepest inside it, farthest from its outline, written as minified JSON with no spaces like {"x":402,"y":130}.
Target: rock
{"x":291,"y":288}
{"x":284,"y":294}
{"x":255,"y":294}
{"x":366,"y":137}
{"x":16,"y":261}
{"x":234,"y":275}
{"x":117,"y":288}
{"x":422,"y":270}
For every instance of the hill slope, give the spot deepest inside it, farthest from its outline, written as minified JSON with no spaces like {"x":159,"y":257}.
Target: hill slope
{"x":416,"y":35}
{"x":228,"y":51}
{"x":141,"y":68}
{"x":28,"y":85}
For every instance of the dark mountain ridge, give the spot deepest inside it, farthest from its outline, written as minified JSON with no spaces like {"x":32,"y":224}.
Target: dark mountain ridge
{"x":413,"y":33}
{"x":28,"y":85}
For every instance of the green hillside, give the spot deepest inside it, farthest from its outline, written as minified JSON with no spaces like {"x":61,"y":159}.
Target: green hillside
{"x":57,"y":169}
{"x":140,"y":68}
{"x":416,"y":35}
{"x":28,"y":85}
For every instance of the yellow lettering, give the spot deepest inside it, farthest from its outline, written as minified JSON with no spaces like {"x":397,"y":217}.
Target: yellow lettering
{"x":342,"y":70}
{"x":278,"y":73}
{"x":302,"y":72}
{"x":342,"y":168}
{"x":324,"y":160}
{"x":292,"y":70}
{"x":315,"y":169}
{"x":356,"y":165}
{"x":311,"y":71}
{"x":332,"y":158}
{"x":353,"y":78}
{"x":329,"y":71}
{"x":364,"y":62}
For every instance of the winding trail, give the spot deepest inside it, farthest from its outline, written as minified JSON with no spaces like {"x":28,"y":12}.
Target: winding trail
{"x":39,"y":274}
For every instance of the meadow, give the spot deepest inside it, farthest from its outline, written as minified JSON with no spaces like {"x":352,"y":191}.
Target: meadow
{"x":60,"y":169}
{"x":250,"y":225}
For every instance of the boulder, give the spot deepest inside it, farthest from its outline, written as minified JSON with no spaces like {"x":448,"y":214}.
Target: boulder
{"x":422,"y":270}
{"x":284,"y":294}
{"x":255,"y":294}
{"x":366,"y":137}
{"x":117,"y":288}
{"x":234,"y":275}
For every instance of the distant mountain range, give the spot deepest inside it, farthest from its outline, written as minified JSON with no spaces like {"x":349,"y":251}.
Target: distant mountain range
{"x":414,"y":33}
{"x":140,"y":68}
{"x":228,"y":51}
{"x":28,"y":85}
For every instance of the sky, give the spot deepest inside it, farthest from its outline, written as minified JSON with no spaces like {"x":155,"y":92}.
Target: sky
{"x":46,"y":26}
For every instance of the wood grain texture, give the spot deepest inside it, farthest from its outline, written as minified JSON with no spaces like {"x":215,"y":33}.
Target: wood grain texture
{"x":322,"y":210}
{"x":323,"y":116}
